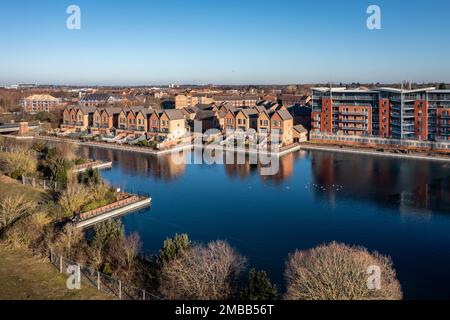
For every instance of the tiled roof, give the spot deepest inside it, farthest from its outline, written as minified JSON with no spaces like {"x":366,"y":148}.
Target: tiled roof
{"x":174,"y":114}
{"x":96,"y":97}
{"x":300,"y":128}
{"x":204,"y":114}
{"x":285,"y":115}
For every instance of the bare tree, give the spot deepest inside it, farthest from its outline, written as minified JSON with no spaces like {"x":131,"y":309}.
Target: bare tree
{"x":66,"y":151}
{"x":339,"y":272}
{"x":12,"y":208}
{"x":69,"y":240}
{"x":203,"y":272}
{"x":18,"y":162}
{"x":73,"y":198}
{"x":131,"y":246}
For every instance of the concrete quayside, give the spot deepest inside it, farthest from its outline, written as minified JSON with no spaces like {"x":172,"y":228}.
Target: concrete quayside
{"x":114,"y":210}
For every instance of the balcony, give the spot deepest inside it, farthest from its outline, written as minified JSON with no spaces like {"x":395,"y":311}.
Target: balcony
{"x":354,"y":98}
{"x":347,"y":128}
{"x":349,"y":113}
{"x":353,"y":121}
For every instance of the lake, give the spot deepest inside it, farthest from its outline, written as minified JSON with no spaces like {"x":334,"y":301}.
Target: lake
{"x":398,"y":207}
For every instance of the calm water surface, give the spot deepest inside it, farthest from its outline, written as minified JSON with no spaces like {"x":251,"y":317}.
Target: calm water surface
{"x":398,"y":207}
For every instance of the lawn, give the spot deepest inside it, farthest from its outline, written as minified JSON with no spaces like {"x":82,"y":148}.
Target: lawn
{"x":10,"y":186}
{"x":24,"y":277}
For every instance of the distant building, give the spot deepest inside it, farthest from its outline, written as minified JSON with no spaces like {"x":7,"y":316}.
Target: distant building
{"x":40,"y":103}
{"x":99,"y":99}
{"x":294,"y":99}
{"x":191,"y":100}
{"x":247,"y":100}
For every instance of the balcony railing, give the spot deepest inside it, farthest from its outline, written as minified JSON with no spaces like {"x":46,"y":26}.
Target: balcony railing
{"x":353,"y":128}
{"x":353,"y":121}
{"x":355,"y":113}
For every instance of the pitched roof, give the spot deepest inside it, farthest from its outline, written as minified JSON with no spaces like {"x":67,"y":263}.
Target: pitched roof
{"x":205,"y":106}
{"x":300,"y":129}
{"x":251,"y":113}
{"x":110,"y":110}
{"x":96,"y":97}
{"x":205,"y":114}
{"x":285,"y":115}
{"x":87,"y":110}
{"x":174,"y":114}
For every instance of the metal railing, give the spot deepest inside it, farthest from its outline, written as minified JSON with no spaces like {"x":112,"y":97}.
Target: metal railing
{"x":381,"y":141}
{"x":100,"y":281}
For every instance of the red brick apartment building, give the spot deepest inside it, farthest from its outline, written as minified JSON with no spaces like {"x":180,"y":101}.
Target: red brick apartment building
{"x":420,"y":114}
{"x":40,"y":103}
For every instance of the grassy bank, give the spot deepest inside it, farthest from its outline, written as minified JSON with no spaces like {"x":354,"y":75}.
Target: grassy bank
{"x":24,"y":277}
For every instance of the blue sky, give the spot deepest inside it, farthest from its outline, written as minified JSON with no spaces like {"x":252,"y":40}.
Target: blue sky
{"x":223,"y":42}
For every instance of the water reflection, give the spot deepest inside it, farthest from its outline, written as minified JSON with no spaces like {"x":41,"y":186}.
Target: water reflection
{"x":406,"y":184}
{"x":158,"y":167}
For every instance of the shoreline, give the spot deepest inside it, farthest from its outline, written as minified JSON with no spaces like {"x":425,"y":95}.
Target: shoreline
{"x":372,"y":152}
{"x":114,"y":146}
{"x":289,"y":149}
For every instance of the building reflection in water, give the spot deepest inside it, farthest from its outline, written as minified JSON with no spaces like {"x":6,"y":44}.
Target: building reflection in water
{"x":285,"y":169}
{"x":410,"y":185}
{"x":159,"y":167}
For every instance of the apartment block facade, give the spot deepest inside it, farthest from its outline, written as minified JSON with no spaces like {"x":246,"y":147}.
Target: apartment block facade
{"x":40,"y":103}
{"x":420,"y":114}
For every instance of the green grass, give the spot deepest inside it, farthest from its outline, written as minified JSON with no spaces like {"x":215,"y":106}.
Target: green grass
{"x":24,"y":277}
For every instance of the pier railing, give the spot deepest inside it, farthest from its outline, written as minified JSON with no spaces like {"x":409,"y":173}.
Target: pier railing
{"x":113,"y":206}
{"x":102,"y":282}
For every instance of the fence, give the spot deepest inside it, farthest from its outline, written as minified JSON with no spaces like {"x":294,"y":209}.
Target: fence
{"x":101,"y":281}
{"x":6,"y":149}
{"x":381,"y":141}
{"x":43,"y":184}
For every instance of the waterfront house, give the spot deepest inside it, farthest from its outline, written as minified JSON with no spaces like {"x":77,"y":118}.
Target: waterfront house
{"x":263,"y":124}
{"x":106,"y":120}
{"x":153,"y":123}
{"x":246,"y":119}
{"x":282,"y":124}
{"x":172,"y":124}
{"x":78,"y":118}
{"x":229,"y":121}
{"x":208,"y":118}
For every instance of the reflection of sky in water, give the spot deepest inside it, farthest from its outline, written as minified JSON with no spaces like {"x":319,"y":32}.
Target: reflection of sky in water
{"x":398,"y":207}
